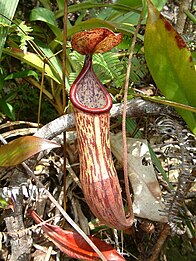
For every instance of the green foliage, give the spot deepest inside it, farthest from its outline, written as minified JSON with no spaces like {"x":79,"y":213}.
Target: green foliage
{"x":110,"y":68}
{"x":170,"y":66}
{"x":3,"y":202}
{"x":180,"y":249}
{"x":23,"y":33}
{"x":47,"y":16}
{"x":22,"y":74}
{"x":7,"y":11}
{"x":35,"y":61}
{"x":170,"y":63}
{"x":7,"y":109}
{"x":107,"y":67}
{"x":132,"y":3}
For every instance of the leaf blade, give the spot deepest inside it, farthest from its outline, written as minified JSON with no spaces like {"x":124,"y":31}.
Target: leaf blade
{"x":7,"y":9}
{"x":23,"y":148}
{"x":74,"y":245}
{"x":170,"y":63}
{"x":33,"y":60}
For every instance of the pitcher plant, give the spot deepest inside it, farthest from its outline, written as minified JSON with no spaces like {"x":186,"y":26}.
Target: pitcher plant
{"x":92,"y":103}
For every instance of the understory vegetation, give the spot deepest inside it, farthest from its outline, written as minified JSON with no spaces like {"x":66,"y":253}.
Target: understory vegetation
{"x":38,"y":67}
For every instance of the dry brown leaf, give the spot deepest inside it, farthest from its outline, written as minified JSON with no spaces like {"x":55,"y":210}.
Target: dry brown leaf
{"x":147,"y":193}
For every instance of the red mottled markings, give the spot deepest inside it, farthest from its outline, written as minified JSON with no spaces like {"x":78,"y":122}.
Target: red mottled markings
{"x":100,"y":185}
{"x":88,"y":121}
{"x":180,"y":42}
{"x":168,"y":26}
{"x":160,"y":16}
{"x":191,"y":59}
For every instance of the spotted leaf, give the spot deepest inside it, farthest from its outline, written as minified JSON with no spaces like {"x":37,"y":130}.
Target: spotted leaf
{"x":170,"y":63}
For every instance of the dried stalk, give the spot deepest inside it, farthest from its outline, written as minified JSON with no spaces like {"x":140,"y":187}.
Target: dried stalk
{"x":64,"y":93}
{"x":181,"y":147}
{"x":181,"y":18}
{"x":126,"y":180}
{"x":135,"y":108}
{"x":159,"y":244}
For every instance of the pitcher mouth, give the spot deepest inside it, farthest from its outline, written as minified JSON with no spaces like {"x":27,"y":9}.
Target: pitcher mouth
{"x":87,"y":92}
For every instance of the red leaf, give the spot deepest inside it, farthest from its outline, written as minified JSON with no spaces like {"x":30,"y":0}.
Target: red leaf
{"x":98,"y":40}
{"x":23,"y":148}
{"x":73,"y":243}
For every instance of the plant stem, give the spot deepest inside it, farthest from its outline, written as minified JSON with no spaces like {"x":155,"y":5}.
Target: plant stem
{"x":40,"y":96}
{"x":181,"y":19}
{"x":64,"y":53}
{"x":126,"y":180}
{"x":159,"y":244}
{"x":64,"y":94}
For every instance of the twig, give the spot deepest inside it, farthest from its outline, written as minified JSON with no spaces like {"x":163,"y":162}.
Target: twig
{"x":181,"y":18}
{"x":161,"y":240}
{"x":64,"y":53}
{"x":48,"y":254}
{"x":127,"y":189}
{"x":64,"y":95}
{"x":40,"y":94}
{"x":136,"y":108}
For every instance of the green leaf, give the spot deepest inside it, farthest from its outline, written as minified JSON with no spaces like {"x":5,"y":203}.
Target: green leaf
{"x":158,"y":3}
{"x":47,"y":16}
{"x":60,"y":4}
{"x":22,"y":74}
{"x":7,"y":11}
{"x":88,"y":5}
{"x":89,"y":24}
{"x":95,"y":23}
{"x":23,"y":148}
{"x":132,"y":3}
{"x":50,"y":56}
{"x":34,"y":60}
{"x":3,"y":203}
{"x":46,"y":3}
{"x":44,"y":15}
{"x":162,"y":100}
{"x":23,"y":33}
{"x":1,"y":79}
{"x":7,"y":109}
{"x":191,"y":16}
{"x":170,"y":63}
{"x":107,"y":67}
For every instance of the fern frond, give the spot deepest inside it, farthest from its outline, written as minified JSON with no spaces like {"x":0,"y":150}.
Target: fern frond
{"x":138,"y":69}
{"x":23,"y":33}
{"x":178,"y":143}
{"x":107,"y":67}
{"x":77,"y":60}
